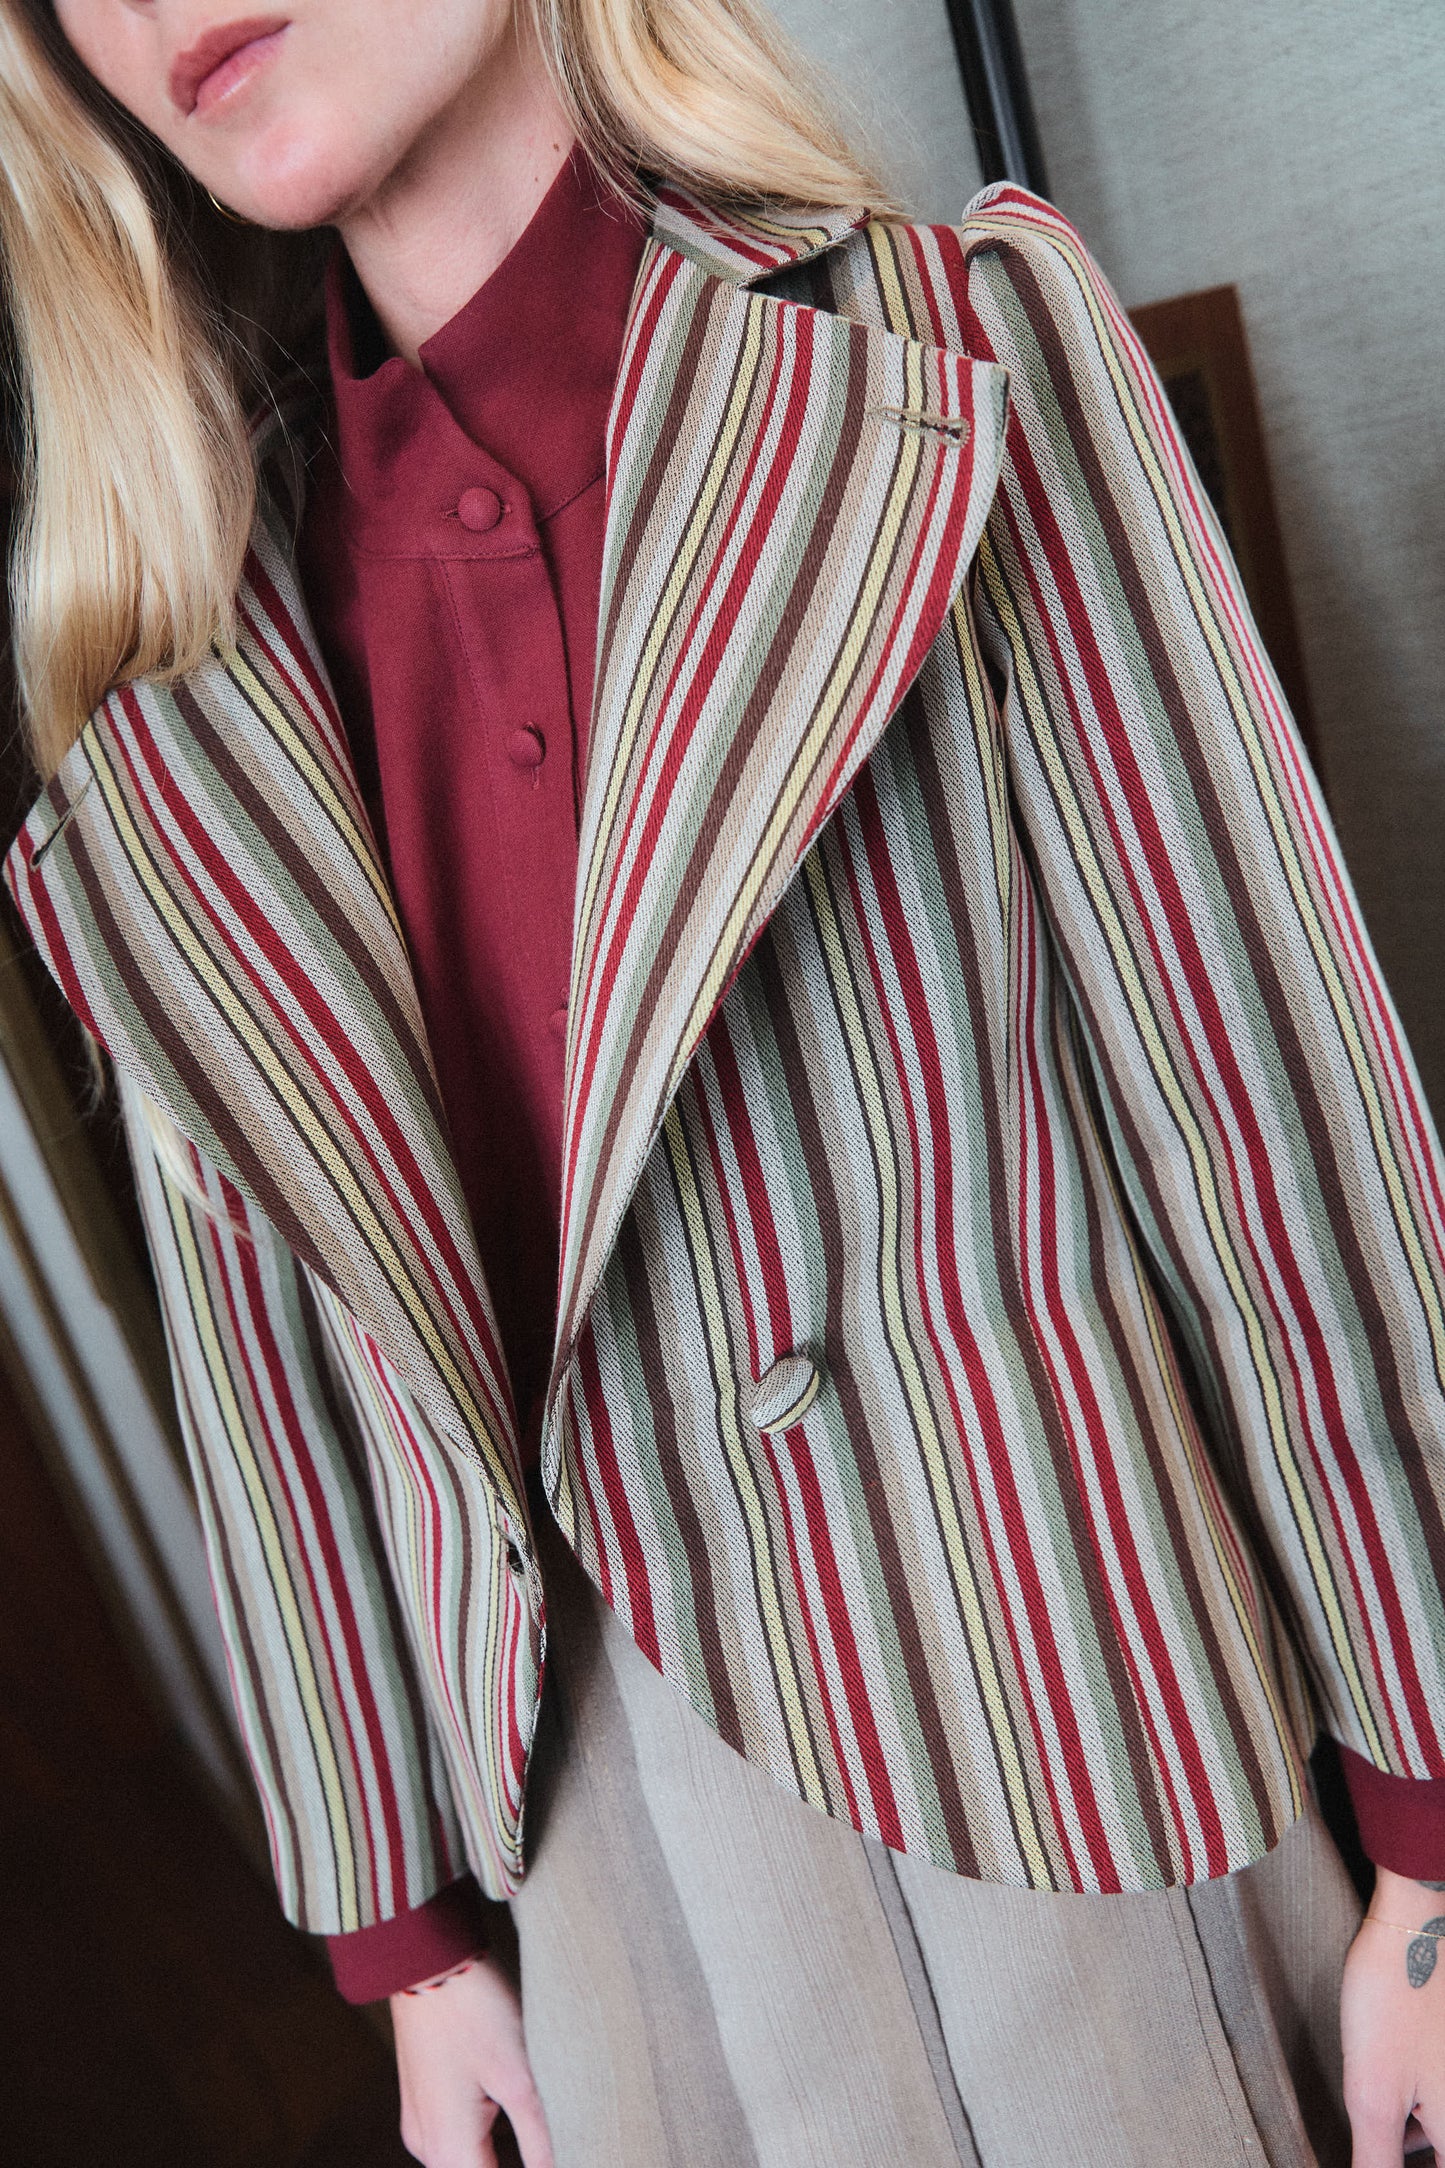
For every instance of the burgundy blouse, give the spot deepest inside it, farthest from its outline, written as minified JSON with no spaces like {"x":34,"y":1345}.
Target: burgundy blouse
{"x":451,"y":556}
{"x":452,"y":559}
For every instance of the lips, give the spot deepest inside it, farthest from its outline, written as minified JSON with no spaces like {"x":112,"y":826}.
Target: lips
{"x":192,"y":69}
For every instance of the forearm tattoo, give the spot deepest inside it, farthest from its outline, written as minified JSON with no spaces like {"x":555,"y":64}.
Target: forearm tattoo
{"x":1422,"y":1953}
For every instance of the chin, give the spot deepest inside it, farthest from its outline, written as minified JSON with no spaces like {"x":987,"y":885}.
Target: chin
{"x":290,"y":181}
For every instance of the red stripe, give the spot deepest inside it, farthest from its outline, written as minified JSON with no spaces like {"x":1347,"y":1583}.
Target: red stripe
{"x":1147,"y":848}
{"x":1096,"y":1435}
{"x":32,"y":897}
{"x":744,"y":1142}
{"x":289,"y":1457}
{"x":619,"y":1506}
{"x":825,"y":1563}
{"x":653,"y":293}
{"x":420,"y":1198}
{"x":429,"y":1523}
{"x":277,"y":632}
{"x":923,"y":615}
{"x":984,"y":1405}
{"x":657,"y":797}
{"x":577,"y":1469}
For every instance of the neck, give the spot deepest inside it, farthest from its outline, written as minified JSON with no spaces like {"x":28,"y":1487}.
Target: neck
{"x":461,"y":199}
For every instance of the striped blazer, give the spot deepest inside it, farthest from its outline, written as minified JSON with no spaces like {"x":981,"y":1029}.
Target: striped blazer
{"x":998,"y":1367}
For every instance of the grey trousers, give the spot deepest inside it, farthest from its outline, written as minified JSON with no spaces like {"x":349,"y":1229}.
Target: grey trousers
{"x":716,"y":1976}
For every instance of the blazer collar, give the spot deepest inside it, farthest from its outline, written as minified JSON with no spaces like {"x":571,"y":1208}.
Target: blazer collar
{"x":740,"y":246}
{"x":793,"y":501}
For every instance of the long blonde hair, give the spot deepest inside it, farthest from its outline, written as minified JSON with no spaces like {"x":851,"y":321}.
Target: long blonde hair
{"x":142,"y":328}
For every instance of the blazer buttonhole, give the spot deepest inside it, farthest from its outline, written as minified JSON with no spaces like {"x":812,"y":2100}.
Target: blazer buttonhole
{"x":61,"y":825}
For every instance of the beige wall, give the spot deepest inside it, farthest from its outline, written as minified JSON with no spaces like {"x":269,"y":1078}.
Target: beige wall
{"x":893,"y":61}
{"x":1297,"y":149}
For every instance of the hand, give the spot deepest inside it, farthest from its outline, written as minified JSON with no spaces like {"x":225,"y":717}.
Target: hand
{"x":1392,"y":2020}
{"x":461,"y":2057}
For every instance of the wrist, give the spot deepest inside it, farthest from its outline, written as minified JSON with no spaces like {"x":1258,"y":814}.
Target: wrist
{"x":440,"y":1979}
{"x":373,"y":1963}
{"x":1395,"y":1892}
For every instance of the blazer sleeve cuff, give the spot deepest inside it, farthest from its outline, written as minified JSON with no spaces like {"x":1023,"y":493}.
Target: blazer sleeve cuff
{"x":371,"y":1963}
{"x":1401,"y":1819}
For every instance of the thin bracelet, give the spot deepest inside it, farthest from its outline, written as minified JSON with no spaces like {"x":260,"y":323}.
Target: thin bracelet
{"x":1436,"y":1934}
{"x":429,"y":1987}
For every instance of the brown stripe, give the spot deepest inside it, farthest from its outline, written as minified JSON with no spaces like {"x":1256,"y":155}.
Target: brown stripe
{"x":1219,"y":1668}
{"x":721,"y":1265}
{"x":654,"y":1369}
{"x":991,"y":1098}
{"x":844,"y":1384}
{"x":286,"y":1836}
{"x":1160,"y":659}
{"x":1340,"y":1210}
{"x":361,"y":1501}
{"x":639,"y":528}
{"x":361,"y":950}
{"x":250,"y":1171}
{"x":734,"y":776}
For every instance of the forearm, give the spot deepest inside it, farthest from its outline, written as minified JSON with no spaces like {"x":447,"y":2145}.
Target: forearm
{"x":1392,"y":2022}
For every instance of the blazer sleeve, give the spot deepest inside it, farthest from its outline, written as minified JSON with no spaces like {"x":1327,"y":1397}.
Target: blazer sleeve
{"x":360,"y":1821}
{"x":1251,"y":1083}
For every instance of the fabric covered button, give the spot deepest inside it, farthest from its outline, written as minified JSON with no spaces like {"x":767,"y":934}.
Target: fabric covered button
{"x":526,"y":748}
{"x":784,"y":1394}
{"x":557,"y":1022}
{"x":479,"y":509}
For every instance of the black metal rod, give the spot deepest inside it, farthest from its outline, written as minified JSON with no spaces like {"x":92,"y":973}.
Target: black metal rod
{"x":991,"y":62}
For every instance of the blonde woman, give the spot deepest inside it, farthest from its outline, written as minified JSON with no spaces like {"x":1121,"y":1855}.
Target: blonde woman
{"x":794,"y":1034}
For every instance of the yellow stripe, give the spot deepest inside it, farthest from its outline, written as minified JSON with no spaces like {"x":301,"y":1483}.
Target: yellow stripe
{"x":320,"y":1140}
{"x":383,"y":1425}
{"x":890,"y":288}
{"x":660,"y":631}
{"x":300,"y":752}
{"x":1247,"y":720}
{"x":288,"y":1610}
{"x":743,"y":1469}
{"x":1202,"y":1486}
{"x":1211,"y":1208}
{"x":794,"y":1411}
{"x":763,"y":867}
{"x":930,"y":1443}
{"x":1247,"y":723}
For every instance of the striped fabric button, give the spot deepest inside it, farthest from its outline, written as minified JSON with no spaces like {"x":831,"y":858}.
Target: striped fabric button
{"x":784,"y":1394}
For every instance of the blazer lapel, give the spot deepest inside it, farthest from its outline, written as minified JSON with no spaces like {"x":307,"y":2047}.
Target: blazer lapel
{"x":794,"y":500}
{"x":202,"y":881}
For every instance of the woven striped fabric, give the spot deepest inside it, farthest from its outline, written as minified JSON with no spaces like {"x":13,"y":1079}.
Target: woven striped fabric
{"x":999,"y":1361}
{"x":202,"y":879}
{"x":327,"y":1666}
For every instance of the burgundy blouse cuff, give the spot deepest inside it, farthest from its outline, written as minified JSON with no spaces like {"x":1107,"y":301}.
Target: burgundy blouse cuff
{"x":1401,"y":1819}
{"x":373,"y":1962}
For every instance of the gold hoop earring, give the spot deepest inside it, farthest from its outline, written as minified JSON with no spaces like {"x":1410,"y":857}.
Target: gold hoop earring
{"x":232,"y":218}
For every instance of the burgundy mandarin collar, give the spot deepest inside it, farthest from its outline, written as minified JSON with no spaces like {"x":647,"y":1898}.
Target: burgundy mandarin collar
{"x":541,"y":339}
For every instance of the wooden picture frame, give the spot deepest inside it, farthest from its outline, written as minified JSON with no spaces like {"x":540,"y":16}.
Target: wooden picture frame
{"x":1197,"y":343}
